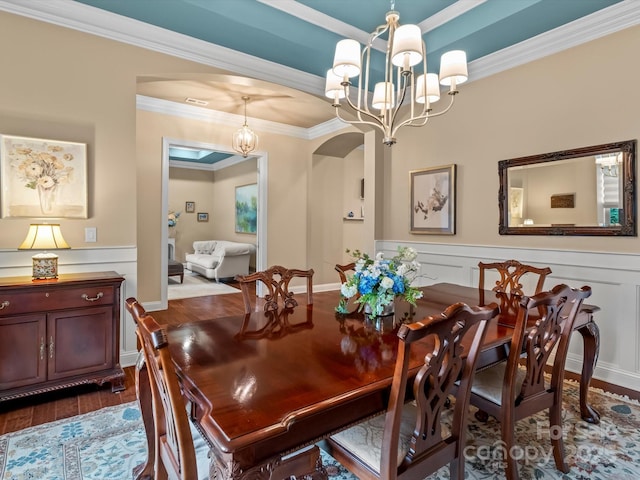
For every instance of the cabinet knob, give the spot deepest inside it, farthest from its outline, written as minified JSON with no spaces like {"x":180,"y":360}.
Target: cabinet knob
{"x":4,"y":304}
{"x":98,"y":296}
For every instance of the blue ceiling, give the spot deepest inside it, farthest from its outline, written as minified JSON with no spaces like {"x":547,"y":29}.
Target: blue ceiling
{"x":301,"y":34}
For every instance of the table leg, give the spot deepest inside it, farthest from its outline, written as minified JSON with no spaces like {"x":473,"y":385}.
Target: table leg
{"x":144,"y":471}
{"x":591,"y":341}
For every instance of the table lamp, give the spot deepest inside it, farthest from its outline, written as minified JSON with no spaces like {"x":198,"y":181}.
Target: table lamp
{"x":44,"y":237}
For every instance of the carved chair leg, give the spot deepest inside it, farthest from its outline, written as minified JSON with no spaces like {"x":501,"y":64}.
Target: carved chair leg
{"x":555,"y":432}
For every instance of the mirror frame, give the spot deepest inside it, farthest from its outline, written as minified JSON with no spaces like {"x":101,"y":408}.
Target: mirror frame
{"x":628,"y":225}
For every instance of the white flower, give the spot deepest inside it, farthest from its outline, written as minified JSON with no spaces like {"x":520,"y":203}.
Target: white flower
{"x":348,"y":291}
{"x":386,"y":283}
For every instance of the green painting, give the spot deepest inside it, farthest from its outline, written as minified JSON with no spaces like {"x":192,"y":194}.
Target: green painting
{"x":247,"y":208}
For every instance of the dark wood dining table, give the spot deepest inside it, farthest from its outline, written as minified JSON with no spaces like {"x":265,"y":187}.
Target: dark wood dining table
{"x":258,"y":385}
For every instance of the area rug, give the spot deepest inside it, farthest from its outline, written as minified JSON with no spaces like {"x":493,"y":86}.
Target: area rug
{"x":195,"y":285}
{"x":108,"y":443}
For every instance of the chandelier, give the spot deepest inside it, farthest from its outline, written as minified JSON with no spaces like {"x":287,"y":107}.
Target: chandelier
{"x":245,"y":140}
{"x":405,"y":52}
{"x":609,"y":163}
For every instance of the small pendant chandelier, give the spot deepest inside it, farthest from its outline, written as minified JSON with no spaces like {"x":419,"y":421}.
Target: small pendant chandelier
{"x":245,"y":140}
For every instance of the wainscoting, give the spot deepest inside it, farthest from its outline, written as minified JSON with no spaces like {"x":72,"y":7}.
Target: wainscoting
{"x":614,"y":278}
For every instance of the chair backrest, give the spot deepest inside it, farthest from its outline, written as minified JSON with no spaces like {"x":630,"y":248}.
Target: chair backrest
{"x":343,"y":269}
{"x":175,"y":452}
{"x":276,"y":279}
{"x":554,"y":313}
{"x":511,"y":273}
{"x":448,"y":363}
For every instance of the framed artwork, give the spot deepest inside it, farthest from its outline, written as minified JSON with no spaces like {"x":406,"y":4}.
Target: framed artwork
{"x":203,"y":217}
{"x":433,"y":200}
{"x":247,"y":208}
{"x":190,"y":207}
{"x":42,"y":178}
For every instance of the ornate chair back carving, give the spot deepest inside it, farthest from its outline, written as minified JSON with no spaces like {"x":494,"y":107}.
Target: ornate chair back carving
{"x":518,"y":388}
{"x":276,"y":279}
{"x":414,"y":443}
{"x":511,"y":272}
{"x":343,"y":269}
{"x":175,"y":454}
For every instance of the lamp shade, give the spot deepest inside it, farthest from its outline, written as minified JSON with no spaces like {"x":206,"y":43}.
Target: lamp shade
{"x":432,"y":91}
{"x":453,"y":68}
{"x":383,"y":96}
{"x":333,"y":88}
{"x":407,"y":46}
{"x":44,"y":237}
{"x":346,"y":61}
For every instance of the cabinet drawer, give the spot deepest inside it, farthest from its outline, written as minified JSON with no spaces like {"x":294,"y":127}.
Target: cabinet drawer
{"x":55,"y":299}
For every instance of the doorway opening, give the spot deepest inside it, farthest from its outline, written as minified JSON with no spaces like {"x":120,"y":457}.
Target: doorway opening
{"x":200,"y":150}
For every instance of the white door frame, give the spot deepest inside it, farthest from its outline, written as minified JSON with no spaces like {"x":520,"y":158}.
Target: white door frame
{"x":261,"y":234}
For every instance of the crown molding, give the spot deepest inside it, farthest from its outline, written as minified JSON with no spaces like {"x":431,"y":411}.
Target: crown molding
{"x":77,"y":16}
{"x":599,"y":24}
{"x":192,"y":112}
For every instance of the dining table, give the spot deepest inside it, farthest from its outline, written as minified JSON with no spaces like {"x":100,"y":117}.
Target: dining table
{"x":263,"y":385}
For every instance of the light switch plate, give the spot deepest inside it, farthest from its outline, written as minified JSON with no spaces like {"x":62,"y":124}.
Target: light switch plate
{"x":90,"y":234}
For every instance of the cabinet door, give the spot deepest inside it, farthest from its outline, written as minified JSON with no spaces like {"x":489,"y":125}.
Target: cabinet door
{"x":23,"y":350}
{"x":80,"y":341}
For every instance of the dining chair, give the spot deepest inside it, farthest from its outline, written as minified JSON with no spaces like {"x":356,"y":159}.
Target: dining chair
{"x":175,"y":441}
{"x":409,"y":441}
{"x":518,"y":388}
{"x":343,"y":269}
{"x":276,"y":278}
{"x":511,"y":273}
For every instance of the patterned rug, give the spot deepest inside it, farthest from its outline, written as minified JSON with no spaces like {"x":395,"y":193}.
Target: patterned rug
{"x":108,"y":443}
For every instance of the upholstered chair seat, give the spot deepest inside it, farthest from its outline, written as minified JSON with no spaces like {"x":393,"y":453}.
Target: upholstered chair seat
{"x":364,"y":440}
{"x":489,"y":382}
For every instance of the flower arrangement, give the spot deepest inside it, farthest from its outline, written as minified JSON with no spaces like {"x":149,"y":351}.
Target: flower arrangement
{"x":172,"y":218}
{"x":378,"y":281}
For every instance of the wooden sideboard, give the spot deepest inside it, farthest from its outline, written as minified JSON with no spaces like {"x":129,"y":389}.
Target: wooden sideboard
{"x":59,"y":333}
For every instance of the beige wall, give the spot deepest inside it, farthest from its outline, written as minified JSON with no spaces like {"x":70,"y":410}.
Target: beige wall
{"x":186,"y":185}
{"x":572,"y":99}
{"x":80,"y":87}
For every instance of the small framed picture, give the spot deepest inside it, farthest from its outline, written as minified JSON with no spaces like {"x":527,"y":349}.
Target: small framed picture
{"x":190,"y":207}
{"x":433,"y":200}
{"x":203,"y":217}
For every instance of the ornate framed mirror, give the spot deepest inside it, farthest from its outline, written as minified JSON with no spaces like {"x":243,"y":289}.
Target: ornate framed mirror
{"x":585,"y":191}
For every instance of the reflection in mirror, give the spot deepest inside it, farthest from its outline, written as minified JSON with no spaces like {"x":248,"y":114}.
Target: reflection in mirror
{"x":585,"y":191}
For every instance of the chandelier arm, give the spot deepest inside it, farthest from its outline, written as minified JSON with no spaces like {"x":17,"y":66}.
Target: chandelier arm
{"x":376,"y":124}
{"x":360,"y":112}
{"x":423,"y":118}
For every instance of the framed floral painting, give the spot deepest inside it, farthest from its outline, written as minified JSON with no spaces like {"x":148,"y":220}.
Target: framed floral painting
{"x":433,"y":200}
{"x":42,"y":178}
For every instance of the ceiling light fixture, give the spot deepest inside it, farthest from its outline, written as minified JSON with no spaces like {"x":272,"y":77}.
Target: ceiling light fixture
{"x":609,"y":163}
{"x":245,"y":140}
{"x":405,"y":49}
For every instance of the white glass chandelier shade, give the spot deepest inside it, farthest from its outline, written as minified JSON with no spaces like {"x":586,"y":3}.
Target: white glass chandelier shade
{"x":245,"y":140}
{"x":406,"y":65}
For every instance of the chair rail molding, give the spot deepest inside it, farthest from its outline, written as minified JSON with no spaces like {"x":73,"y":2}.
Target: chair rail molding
{"x":613,"y":277}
